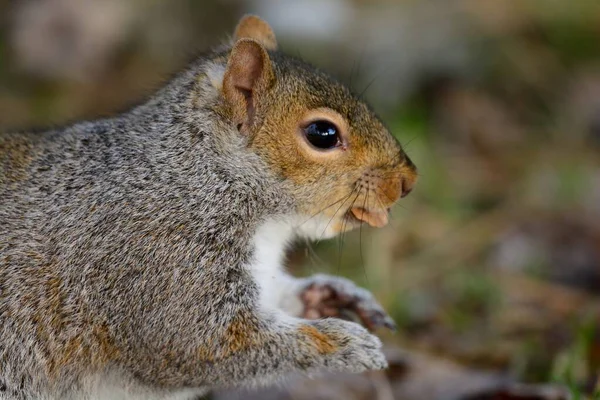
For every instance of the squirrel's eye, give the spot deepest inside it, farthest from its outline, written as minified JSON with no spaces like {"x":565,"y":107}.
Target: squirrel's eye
{"x":322,"y":134}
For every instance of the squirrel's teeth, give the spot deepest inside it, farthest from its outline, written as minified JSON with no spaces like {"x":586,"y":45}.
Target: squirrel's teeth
{"x":377,"y":219}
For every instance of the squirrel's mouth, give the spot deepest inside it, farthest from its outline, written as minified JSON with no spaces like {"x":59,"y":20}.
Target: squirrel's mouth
{"x":375,"y":218}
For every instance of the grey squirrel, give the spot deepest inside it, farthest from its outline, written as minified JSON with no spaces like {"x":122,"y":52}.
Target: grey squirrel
{"x":141,"y":255}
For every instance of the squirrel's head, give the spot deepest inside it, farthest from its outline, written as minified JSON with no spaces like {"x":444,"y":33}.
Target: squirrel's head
{"x":342,"y":164}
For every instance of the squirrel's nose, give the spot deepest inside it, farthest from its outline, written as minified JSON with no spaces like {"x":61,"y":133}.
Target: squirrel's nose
{"x":407,"y":186}
{"x":409,"y":178}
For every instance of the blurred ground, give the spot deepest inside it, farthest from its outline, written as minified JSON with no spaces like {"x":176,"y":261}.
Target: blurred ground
{"x":492,"y":266}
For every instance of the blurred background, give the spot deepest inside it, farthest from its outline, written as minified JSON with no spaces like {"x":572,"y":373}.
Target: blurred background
{"x":491,"y":267}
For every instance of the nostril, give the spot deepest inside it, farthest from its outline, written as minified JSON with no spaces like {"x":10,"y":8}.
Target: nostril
{"x":407,"y":187}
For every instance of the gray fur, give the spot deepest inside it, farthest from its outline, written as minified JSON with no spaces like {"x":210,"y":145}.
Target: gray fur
{"x":123,"y":252}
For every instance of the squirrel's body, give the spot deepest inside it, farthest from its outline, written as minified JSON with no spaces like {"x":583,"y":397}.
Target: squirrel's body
{"x":140,"y":256}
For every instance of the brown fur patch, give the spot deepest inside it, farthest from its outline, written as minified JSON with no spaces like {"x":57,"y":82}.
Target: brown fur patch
{"x":106,"y":347}
{"x":241,"y":334}
{"x":206,"y":352}
{"x":15,"y":157}
{"x":68,"y":338}
{"x":323,"y":343}
{"x":94,"y":350}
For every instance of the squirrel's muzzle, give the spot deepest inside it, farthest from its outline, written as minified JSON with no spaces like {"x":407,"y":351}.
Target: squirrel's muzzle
{"x":381,"y":188}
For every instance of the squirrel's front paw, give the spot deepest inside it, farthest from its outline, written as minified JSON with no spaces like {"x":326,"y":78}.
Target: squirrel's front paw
{"x":332,"y":296}
{"x":343,"y":346}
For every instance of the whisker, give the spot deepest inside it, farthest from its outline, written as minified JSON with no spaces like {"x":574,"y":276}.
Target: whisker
{"x":360,"y":230}
{"x":392,"y":219}
{"x":343,"y":233}
{"x":388,"y":173}
{"x":352,"y":73}
{"x":334,"y":215}
{"x":312,"y":254}
{"x":340,"y":243}
{"x":381,"y":204}
{"x":358,"y":66}
{"x":362,"y":259}
{"x":321,"y":210}
{"x":405,"y":145}
{"x":377,"y":75}
{"x":394,"y":203}
{"x":382,"y":193}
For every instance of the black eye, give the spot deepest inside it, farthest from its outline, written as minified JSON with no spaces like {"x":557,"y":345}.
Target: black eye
{"x":322,"y":134}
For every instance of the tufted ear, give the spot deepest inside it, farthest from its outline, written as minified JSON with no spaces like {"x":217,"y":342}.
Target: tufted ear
{"x":248,"y":75}
{"x":252,"y":27}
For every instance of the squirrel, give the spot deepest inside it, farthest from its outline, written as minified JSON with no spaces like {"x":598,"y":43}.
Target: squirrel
{"x":141,"y":255}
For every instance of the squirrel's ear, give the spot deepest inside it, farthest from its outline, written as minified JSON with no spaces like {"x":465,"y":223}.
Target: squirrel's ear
{"x":247,"y":76}
{"x":252,"y":27}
